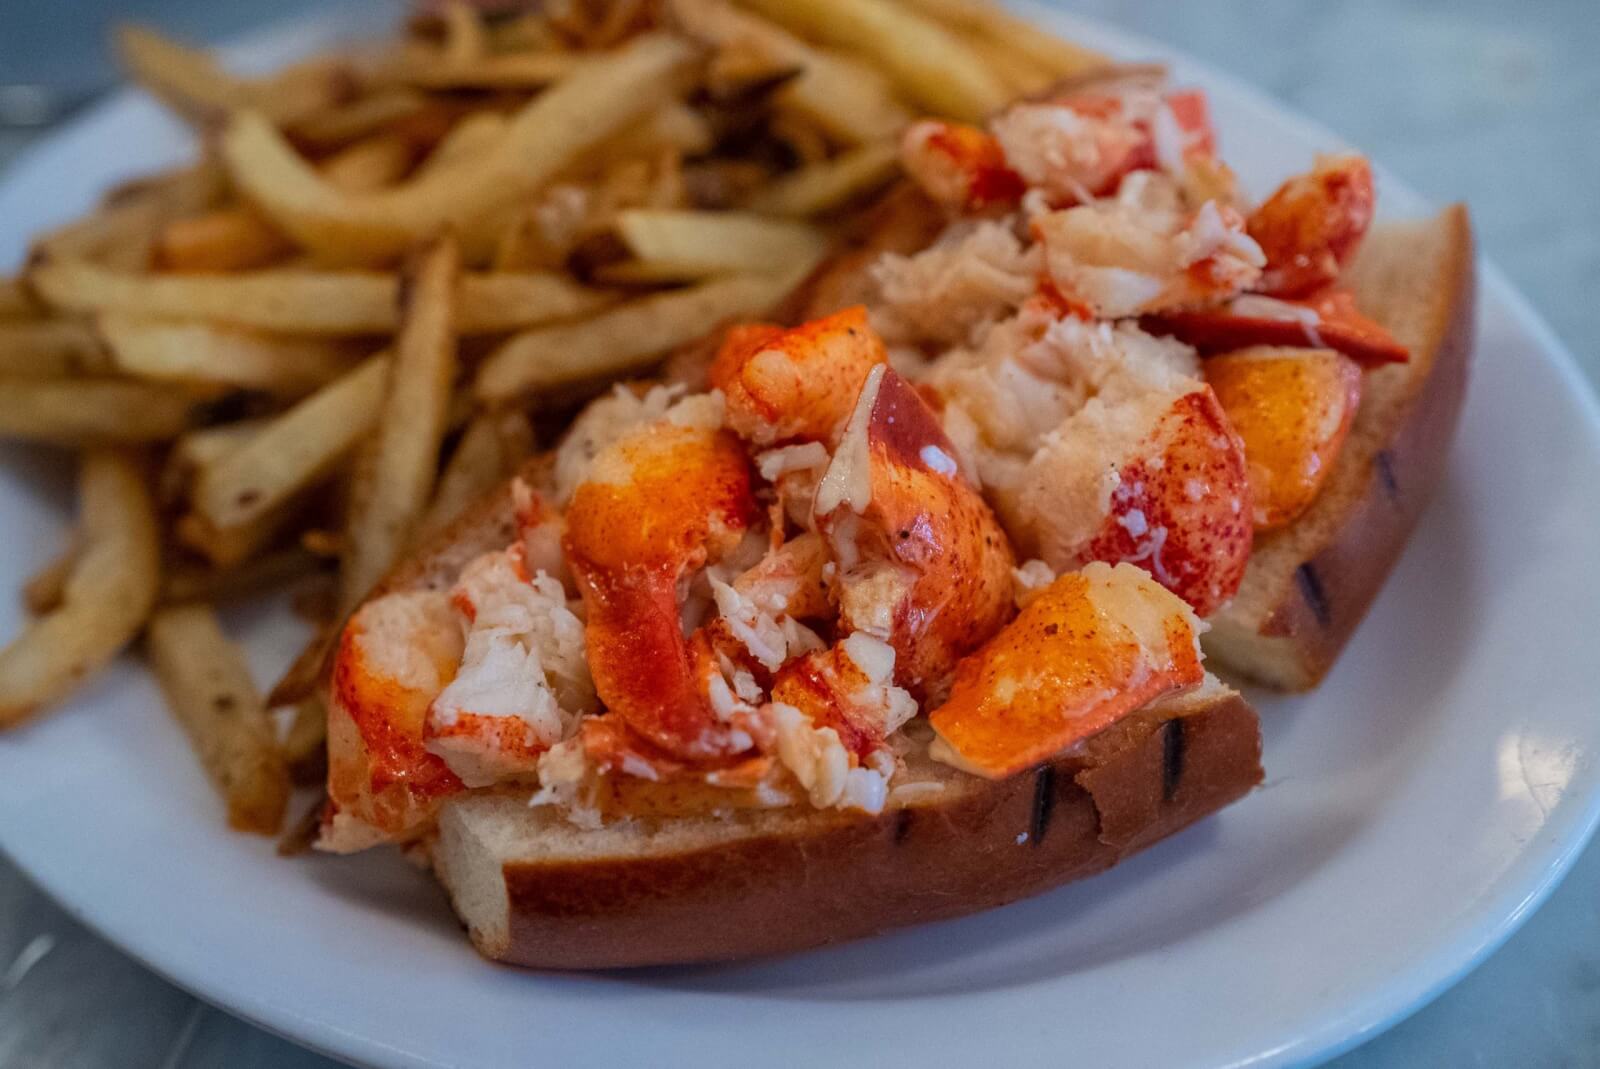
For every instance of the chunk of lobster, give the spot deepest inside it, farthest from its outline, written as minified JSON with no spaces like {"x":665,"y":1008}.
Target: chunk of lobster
{"x":1312,"y":225}
{"x":960,"y":167}
{"x":394,"y":657}
{"x":1326,"y":319}
{"x":1159,"y":481}
{"x":1087,"y":650}
{"x":849,"y":688}
{"x":796,"y":384}
{"x":1293,"y":409}
{"x":922,"y":562}
{"x":656,"y":507}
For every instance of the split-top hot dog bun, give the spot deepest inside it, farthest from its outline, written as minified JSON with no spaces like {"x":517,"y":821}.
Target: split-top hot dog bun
{"x":535,"y":889}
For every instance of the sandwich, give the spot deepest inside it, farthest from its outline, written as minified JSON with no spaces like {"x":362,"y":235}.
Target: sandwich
{"x":904,"y":606}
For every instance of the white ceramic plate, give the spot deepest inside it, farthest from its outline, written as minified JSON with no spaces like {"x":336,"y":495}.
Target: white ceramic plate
{"x":1417,"y":807}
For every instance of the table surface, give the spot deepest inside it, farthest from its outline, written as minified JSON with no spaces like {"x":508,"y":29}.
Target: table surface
{"x":1478,"y":100}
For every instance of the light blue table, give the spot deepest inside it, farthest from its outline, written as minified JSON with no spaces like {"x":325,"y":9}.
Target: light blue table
{"x":1491,"y":102}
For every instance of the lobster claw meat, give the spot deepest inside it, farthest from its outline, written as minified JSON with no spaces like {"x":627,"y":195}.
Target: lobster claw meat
{"x":1327,"y":319}
{"x":1087,"y":650}
{"x":1312,"y":225}
{"x":1293,"y":409}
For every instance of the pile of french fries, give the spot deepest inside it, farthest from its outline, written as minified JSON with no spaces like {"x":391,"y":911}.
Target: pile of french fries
{"x":289,"y":361}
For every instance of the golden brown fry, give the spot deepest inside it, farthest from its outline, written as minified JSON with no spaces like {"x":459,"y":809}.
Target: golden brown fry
{"x":46,"y":588}
{"x":309,"y":302}
{"x":824,"y":187}
{"x":16,"y":303}
{"x":305,"y":746}
{"x":301,"y":678}
{"x":91,"y":411}
{"x":465,"y":39}
{"x":368,"y":115}
{"x":930,"y":64}
{"x":560,"y":124}
{"x":227,"y":547}
{"x":490,"y":451}
{"x":1016,"y":70}
{"x":227,"y":239}
{"x":190,"y":82}
{"x":269,"y":571}
{"x":411,"y":425}
{"x":293,"y":451}
{"x":209,"y":690}
{"x":627,"y":338}
{"x":669,"y":246}
{"x":850,"y":99}
{"x":206,"y":354}
{"x":513,"y":71}
{"x":304,"y":829}
{"x":106,"y":598}
{"x":372,"y":163}
{"x":193,"y":448}
{"x":979,"y":19}
{"x":467,"y":142}
{"x":49,"y":348}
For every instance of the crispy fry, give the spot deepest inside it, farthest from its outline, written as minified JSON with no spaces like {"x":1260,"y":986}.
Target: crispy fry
{"x":411,"y":426}
{"x":47,"y":587}
{"x":930,"y":64}
{"x":228,"y":239}
{"x":310,"y":302}
{"x":373,"y":163}
{"x":850,"y":99}
{"x":1016,"y":70}
{"x":545,"y":137}
{"x":269,"y":571}
{"x":669,"y":246}
{"x":1010,"y":34}
{"x":193,"y":448}
{"x":209,"y":690}
{"x":305,"y":746}
{"x":490,"y":450}
{"x":829,"y":185}
{"x":626,"y":338}
{"x":300,"y":679}
{"x":349,"y":122}
{"x":303,"y":830}
{"x":16,"y":303}
{"x":226,"y":547}
{"x":514,"y":71}
{"x":467,"y":142}
{"x":91,"y":411}
{"x":192,"y":83}
{"x":206,"y":354}
{"x":465,"y":39}
{"x":105,"y":599}
{"x":49,"y":348}
{"x":292,"y":452}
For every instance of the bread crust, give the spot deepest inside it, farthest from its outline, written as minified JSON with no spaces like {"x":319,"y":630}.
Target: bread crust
{"x":1309,"y":586}
{"x":790,"y":880}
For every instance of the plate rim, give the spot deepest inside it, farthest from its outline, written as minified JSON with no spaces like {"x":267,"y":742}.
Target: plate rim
{"x":1361,"y":1018}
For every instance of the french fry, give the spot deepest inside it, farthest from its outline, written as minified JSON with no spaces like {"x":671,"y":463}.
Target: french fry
{"x":372,"y":113}
{"x":227,"y":239}
{"x":91,"y":411}
{"x":670,"y":246}
{"x":191,"y":449}
{"x":411,"y":425}
{"x":16,"y":302}
{"x":560,"y":124}
{"x":293,"y":451}
{"x":205,"y":354}
{"x":305,"y":745}
{"x":209,"y":690}
{"x":192,"y":84}
{"x":465,"y":40}
{"x":300,"y":679}
{"x":930,"y":64}
{"x":106,"y":598}
{"x":627,"y":338}
{"x":468,"y":141}
{"x":49,"y":348}
{"x":513,"y":72}
{"x":1017,"y":71}
{"x":227,"y":547}
{"x":304,"y":829}
{"x":372,"y":163}
{"x":46,"y":588}
{"x":213,"y":585}
{"x":827,"y":186}
{"x":309,"y":302}
{"x":490,"y":450}
{"x":851,"y":100}
{"x":1009,"y":34}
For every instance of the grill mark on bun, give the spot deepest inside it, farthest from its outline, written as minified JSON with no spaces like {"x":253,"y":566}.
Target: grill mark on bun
{"x":1044,"y":800}
{"x":1316,"y":597}
{"x":1172,"y":746}
{"x":1384,"y":462}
